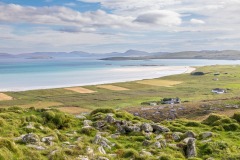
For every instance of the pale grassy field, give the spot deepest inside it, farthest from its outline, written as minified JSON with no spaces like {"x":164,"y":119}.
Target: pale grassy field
{"x":4,"y":97}
{"x":159,"y":83}
{"x":41,"y":104}
{"x":80,"y":90}
{"x":112,"y":87}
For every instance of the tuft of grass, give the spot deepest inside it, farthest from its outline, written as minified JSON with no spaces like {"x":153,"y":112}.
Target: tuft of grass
{"x":236,"y":116}
{"x":103,"y":110}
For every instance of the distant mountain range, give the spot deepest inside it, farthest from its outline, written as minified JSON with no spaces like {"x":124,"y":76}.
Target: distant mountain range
{"x":132,"y":55}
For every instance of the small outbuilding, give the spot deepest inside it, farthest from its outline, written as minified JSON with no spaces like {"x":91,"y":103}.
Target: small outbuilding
{"x":218,"y":91}
{"x":171,"y":100}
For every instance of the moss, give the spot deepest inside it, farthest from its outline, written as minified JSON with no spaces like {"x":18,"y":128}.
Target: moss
{"x":217,"y":128}
{"x":222,"y":121}
{"x":193,"y":124}
{"x":2,"y":122}
{"x":124,"y":115}
{"x":103,"y":110}
{"x":231,"y":127}
{"x":57,"y":155}
{"x":49,"y":115}
{"x":62,"y":137}
{"x":212,"y":118}
{"x":8,"y":144}
{"x":31,"y":154}
{"x":5,"y":154}
{"x":236,"y":116}
{"x":130,"y":153}
{"x":206,"y":149}
{"x":166,"y":157}
{"x":56,"y":120}
{"x":90,"y":131}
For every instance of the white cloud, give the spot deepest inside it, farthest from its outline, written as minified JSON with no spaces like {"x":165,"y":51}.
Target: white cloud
{"x":197,"y":21}
{"x":160,"y":17}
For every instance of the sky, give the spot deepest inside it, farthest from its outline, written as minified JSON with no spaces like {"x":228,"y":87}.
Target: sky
{"x":102,"y":26}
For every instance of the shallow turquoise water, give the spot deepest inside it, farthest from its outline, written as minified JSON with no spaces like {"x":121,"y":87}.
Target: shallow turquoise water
{"x":25,"y":74}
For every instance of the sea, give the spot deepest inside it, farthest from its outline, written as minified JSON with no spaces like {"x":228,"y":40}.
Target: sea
{"x":29,"y":74}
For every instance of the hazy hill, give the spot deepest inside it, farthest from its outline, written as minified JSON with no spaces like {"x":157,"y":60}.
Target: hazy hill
{"x":132,"y":55}
{"x":5,"y":55}
{"x":226,"y":54}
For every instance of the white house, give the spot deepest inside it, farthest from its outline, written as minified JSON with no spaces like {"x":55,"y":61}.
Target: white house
{"x":218,"y":91}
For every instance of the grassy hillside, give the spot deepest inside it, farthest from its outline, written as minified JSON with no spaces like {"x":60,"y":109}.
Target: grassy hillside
{"x":33,"y":134}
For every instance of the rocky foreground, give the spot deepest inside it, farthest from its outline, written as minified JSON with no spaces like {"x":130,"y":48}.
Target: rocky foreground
{"x":106,"y":134}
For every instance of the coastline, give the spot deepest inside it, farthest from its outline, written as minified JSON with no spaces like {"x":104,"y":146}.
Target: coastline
{"x":130,"y":74}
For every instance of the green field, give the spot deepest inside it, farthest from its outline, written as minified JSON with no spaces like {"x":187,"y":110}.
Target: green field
{"x":192,"y":88}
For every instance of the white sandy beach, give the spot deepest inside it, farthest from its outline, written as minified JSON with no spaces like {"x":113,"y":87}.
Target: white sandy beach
{"x":106,"y":76}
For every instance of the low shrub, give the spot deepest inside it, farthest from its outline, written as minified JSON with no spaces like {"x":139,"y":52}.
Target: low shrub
{"x":193,"y":124}
{"x":102,"y":110}
{"x":212,"y":118}
{"x":8,"y":144}
{"x":231,"y":127}
{"x":56,"y":120}
{"x":6,"y":154}
{"x":90,"y":131}
{"x":130,"y":153}
{"x":124,"y":115}
{"x":222,"y":121}
{"x":236,"y":116}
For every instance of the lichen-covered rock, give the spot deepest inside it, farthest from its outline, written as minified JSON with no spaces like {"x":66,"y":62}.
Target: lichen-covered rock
{"x":146,"y":143}
{"x":80,"y":117}
{"x":163,"y":143}
{"x":176,"y":136}
{"x":100,"y":124}
{"x":191,"y":148}
{"x":146,"y":127}
{"x":102,"y":158}
{"x":87,"y":123}
{"x":190,"y":134}
{"x":37,"y":147}
{"x":101,"y":150}
{"x":48,"y":140}
{"x":30,"y":126}
{"x":133,"y":128}
{"x":30,"y":138}
{"x":104,"y":142}
{"x":159,"y":137}
{"x":205,"y":135}
{"x":145,"y":153}
{"x":160,"y":129}
{"x":89,"y":151}
{"x":81,"y":157}
{"x":109,"y":119}
{"x":97,"y":139}
{"x":157,"y":145}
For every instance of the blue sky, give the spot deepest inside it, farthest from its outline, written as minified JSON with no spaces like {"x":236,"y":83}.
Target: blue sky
{"x":102,"y":26}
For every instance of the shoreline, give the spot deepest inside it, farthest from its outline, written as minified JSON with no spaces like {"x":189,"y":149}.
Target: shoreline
{"x":155,"y":72}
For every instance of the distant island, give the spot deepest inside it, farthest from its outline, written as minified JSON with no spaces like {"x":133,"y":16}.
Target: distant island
{"x":132,"y":55}
{"x":218,"y":55}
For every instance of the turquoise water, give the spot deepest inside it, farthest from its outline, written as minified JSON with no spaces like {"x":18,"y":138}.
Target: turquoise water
{"x":26,"y":74}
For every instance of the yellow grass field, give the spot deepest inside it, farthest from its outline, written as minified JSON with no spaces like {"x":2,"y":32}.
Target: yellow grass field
{"x":73,"y":110}
{"x":4,"y":97}
{"x":80,"y":90}
{"x":112,"y":88}
{"x":160,"y":83}
{"x":41,"y":104}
